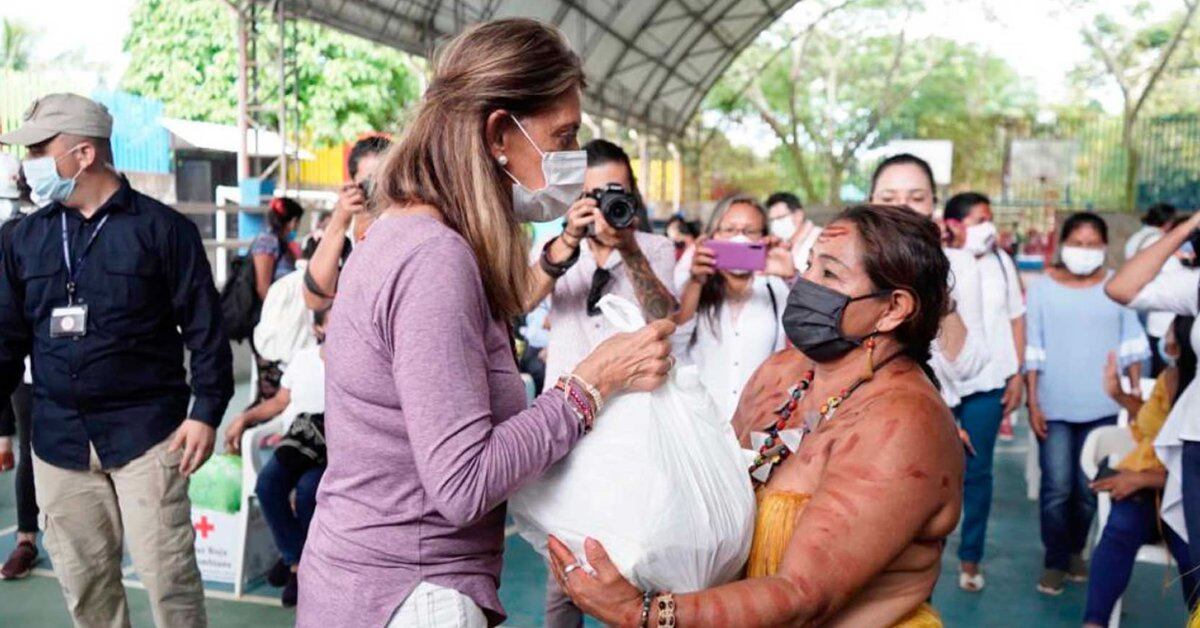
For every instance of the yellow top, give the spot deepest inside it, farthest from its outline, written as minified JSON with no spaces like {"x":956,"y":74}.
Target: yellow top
{"x":1150,"y":419}
{"x":773,"y":524}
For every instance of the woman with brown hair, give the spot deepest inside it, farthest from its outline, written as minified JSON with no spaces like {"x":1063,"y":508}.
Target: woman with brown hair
{"x":859,"y":471}
{"x":427,"y":427}
{"x":729,"y":317}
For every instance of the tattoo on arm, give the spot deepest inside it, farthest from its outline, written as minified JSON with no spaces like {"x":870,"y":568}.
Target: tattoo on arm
{"x":657,"y":302}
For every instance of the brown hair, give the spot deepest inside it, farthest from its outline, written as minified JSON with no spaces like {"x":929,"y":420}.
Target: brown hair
{"x":902,"y":250}
{"x":519,"y":65}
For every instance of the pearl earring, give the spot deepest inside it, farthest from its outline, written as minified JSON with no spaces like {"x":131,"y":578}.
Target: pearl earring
{"x":502,"y":160}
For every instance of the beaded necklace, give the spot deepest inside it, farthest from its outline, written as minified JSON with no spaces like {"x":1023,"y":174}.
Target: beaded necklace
{"x":780,"y":441}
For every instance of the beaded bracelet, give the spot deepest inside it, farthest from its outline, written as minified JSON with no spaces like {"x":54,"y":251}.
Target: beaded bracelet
{"x":646,"y":598}
{"x":592,"y":391}
{"x":666,"y":610}
{"x":577,"y":399}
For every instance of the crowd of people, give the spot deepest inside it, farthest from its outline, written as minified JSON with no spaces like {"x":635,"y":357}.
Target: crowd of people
{"x":868,"y":364}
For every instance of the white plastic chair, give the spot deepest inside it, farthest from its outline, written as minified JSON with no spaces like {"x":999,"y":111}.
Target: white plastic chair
{"x":1112,"y":443}
{"x":252,"y":556}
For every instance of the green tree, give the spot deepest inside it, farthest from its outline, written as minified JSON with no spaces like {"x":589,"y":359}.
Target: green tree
{"x":184,"y":52}
{"x":970,"y":99}
{"x":16,"y":45}
{"x":1135,"y":52}
{"x":853,"y":78}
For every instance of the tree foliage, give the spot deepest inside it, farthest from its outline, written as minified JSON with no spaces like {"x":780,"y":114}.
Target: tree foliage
{"x":853,"y":78}
{"x":1133,"y":51}
{"x":184,"y":52}
{"x":16,"y":45}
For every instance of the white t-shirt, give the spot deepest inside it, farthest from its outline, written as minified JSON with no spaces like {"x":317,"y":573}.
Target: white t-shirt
{"x":304,"y":377}
{"x":1141,"y":239}
{"x":728,"y":354}
{"x":966,"y":290}
{"x":1175,"y":291}
{"x":1003,"y":302}
{"x":573,"y":332}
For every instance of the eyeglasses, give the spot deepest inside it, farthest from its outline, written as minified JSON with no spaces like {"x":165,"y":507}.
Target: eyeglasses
{"x":730,"y":231}
{"x":600,"y":280}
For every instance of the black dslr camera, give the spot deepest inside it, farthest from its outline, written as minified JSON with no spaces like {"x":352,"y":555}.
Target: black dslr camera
{"x":618,"y":206}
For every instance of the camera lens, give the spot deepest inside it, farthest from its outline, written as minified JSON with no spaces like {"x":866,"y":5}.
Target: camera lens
{"x":618,"y":211}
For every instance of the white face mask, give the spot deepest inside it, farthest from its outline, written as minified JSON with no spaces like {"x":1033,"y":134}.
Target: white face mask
{"x":981,"y":239}
{"x":1081,"y":261}
{"x":563,"y":172}
{"x":1170,"y":360}
{"x":783,"y":228}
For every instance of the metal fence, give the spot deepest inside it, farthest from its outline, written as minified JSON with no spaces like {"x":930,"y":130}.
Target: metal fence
{"x":1081,"y":163}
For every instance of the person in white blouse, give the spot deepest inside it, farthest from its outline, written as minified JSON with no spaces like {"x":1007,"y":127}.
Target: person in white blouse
{"x":1144,"y":284}
{"x":997,"y":390}
{"x":729,"y":321}
{"x":790,"y":224}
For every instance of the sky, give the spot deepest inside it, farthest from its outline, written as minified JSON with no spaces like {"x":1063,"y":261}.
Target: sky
{"x":1041,"y":45}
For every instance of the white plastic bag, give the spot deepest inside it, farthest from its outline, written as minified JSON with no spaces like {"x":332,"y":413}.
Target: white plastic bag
{"x":661,"y":482}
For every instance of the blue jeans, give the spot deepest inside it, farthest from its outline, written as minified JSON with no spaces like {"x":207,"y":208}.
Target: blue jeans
{"x":274,"y":488}
{"x":1066,"y":501}
{"x":1130,"y":525}
{"x":1190,"y":481}
{"x":980,"y":415}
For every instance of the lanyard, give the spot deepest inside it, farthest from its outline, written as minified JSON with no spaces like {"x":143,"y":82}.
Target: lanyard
{"x":73,"y":271}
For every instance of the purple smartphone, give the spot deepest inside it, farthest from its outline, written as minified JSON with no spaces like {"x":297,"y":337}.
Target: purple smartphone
{"x":738,"y":255}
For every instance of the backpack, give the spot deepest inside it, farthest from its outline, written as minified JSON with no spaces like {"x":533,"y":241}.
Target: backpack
{"x":240,"y":305}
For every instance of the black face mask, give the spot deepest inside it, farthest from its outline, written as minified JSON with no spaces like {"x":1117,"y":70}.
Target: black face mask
{"x":812,"y":320}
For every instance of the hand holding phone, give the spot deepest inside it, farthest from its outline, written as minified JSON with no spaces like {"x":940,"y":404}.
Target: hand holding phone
{"x":738,"y":256}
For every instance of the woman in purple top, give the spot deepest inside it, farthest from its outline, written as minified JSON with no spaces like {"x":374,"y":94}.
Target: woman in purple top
{"x":427,"y":426}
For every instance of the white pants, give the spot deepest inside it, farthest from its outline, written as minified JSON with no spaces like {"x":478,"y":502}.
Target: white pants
{"x":431,"y":606}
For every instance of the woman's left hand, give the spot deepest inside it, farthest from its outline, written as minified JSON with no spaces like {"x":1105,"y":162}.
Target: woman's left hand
{"x":1121,"y":485}
{"x":607,"y":596}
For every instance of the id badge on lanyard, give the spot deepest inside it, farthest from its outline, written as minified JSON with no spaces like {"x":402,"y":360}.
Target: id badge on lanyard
{"x":71,"y":321}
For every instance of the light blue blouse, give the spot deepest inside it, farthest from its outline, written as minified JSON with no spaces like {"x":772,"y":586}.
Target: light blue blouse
{"x":1071,"y":331}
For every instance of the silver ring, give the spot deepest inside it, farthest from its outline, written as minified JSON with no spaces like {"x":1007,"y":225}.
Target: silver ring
{"x":569,"y":568}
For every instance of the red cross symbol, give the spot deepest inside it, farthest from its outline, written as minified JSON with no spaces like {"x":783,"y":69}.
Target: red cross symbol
{"x":204,"y":527}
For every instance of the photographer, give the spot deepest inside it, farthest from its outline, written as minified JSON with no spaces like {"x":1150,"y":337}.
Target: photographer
{"x":590,"y":259}
{"x":350,"y":217}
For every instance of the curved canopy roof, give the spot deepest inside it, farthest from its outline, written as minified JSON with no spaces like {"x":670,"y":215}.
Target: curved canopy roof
{"x":649,"y":63}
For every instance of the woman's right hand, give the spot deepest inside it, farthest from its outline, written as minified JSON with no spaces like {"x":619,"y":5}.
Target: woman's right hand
{"x":1037,"y":420}
{"x":579,"y":217}
{"x":351,"y":199}
{"x":704,"y":262}
{"x":634,"y":361}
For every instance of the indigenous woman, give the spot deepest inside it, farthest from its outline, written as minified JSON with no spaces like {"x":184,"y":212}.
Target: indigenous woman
{"x":859,"y":467}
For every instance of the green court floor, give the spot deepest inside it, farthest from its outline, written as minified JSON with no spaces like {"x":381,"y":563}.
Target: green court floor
{"x":1012,"y":565}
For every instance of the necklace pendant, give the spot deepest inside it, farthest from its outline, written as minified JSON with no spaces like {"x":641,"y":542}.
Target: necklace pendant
{"x":792,"y":438}
{"x":757,"y":439}
{"x":762,"y":473}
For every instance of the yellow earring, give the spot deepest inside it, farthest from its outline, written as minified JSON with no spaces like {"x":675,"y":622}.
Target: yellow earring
{"x":870,"y":372}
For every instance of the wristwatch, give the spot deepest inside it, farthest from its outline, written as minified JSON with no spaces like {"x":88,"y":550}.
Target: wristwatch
{"x":556,"y":270}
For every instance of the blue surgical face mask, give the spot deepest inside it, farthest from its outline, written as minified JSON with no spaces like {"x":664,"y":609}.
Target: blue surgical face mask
{"x":1170,"y":360}
{"x":45,"y":184}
